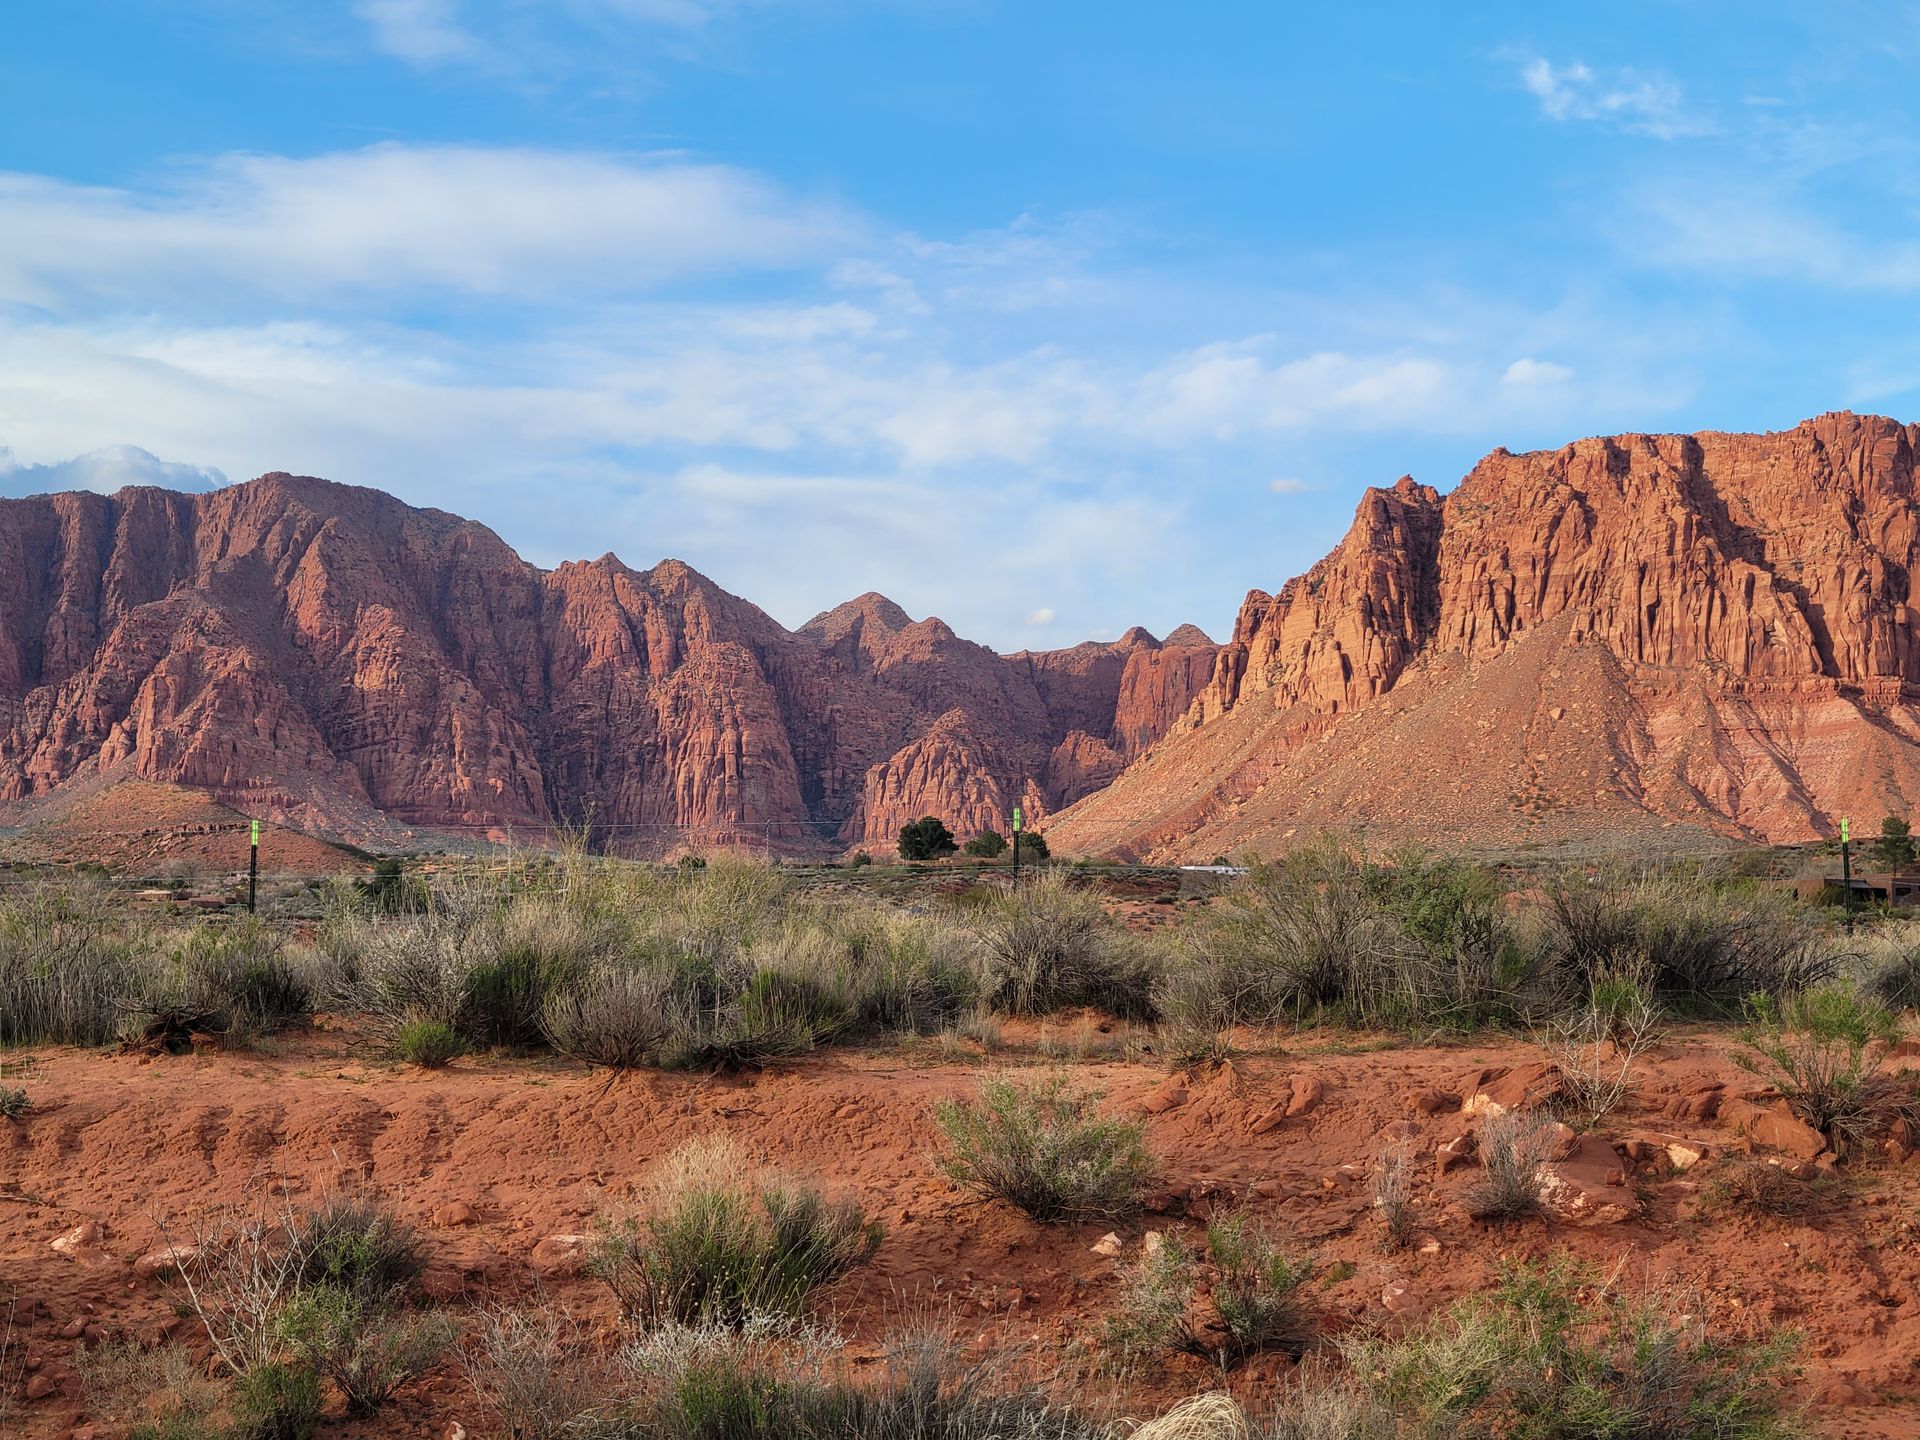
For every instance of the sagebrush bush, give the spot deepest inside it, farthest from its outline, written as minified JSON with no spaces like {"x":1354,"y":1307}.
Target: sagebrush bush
{"x":1044,"y":1149}
{"x":1048,"y":946}
{"x":722,"y":1244}
{"x":67,"y":961}
{"x":1702,"y":940}
{"x":238,"y":982}
{"x":539,"y":1376}
{"x":1753,"y":1187}
{"x":1419,"y":941}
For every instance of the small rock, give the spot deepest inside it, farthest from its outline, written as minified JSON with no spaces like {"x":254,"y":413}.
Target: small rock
{"x":560,"y":1253}
{"x":1268,"y":1119}
{"x":1397,"y":1298}
{"x":82,"y":1235}
{"x":454,"y":1215}
{"x":1109,"y":1245}
{"x":1433,"y":1102}
{"x":40,"y":1387}
{"x":1163,"y":1099}
{"x":1457,"y":1151}
{"x":1775,"y":1125}
{"x":1429,"y":1245}
{"x":1683,"y":1155}
{"x":454,"y":1431}
{"x":1152,"y":1241}
{"x":1307,"y":1092}
{"x":163,"y":1262}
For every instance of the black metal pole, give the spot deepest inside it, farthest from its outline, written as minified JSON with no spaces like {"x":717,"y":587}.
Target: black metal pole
{"x":253,"y":867}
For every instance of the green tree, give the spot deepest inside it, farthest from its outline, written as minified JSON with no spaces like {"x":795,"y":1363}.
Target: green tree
{"x":987,"y":844}
{"x":926,"y":839}
{"x":1033,"y":846}
{"x":1894,"y":849}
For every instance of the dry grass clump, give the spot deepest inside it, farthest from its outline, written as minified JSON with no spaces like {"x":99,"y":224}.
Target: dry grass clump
{"x":1514,"y":1148}
{"x":722,"y":1244}
{"x":1047,"y":946}
{"x":1393,"y":1172}
{"x":1753,"y":1187}
{"x":1598,"y":1048}
{"x":1044,"y":1149}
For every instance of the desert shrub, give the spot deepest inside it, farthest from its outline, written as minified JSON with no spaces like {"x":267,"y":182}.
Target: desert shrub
{"x":538,"y":1375}
{"x":14,"y":1102}
{"x":353,"y":1242}
{"x":1753,"y":1187}
{"x":1890,"y":968}
{"x":1821,"y":1048}
{"x":1547,"y":1357}
{"x":1393,"y":1191}
{"x":987,"y":845}
{"x":430,"y":1044}
{"x":1233,"y":1297}
{"x":926,"y":839}
{"x":278,"y":1400}
{"x":153,"y":1394}
{"x":67,"y":959}
{"x":861,"y":860}
{"x":1033,"y":846}
{"x":542,"y":949}
{"x":722,"y":1244}
{"x":1514,"y":1147}
{"x":617,"y":1018}
{"x":1598,"y":1047}
{"x":1047,"y":946}
{"x":1417,"y":941}
{"x":369,"y":1353}
{"x":1705,"y":942}
{"x":237,"y":982}
{"x":1043,"y":1149}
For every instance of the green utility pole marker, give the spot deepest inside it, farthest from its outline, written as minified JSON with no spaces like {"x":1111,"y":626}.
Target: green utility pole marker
{"x":1844,"y":827}
{"x":1016,"y":819}
{"x":256,"y":834}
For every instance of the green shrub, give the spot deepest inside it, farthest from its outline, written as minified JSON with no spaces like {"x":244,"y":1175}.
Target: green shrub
{"x":67,"y":960}
{"x":354,"y":1243}
{"x":277,"y":1401}
{"x":1821,"y":1048}
{"x":987,"y":845}
{"x":1048,"y":946}
{"x":1701,"y":942}
{"x":14,"y":1102}
{"x":1043,"y":1149}
{"x":1033,"y":847}
{"x":389,"y":890}
{"x":861,"y":859}
{"x":1236,"y":1297}
{"x":430,"y":1044}
{"x":368,"y":1352}
{"x":236,"y":982}
{"x":618,"y":1018}
{"x":723,"y":1245}
{"x":162,"y":1393}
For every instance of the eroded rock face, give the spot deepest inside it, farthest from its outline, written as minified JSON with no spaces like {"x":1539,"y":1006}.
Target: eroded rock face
{"x":1709,"y":631}
{"x":329,"y":656}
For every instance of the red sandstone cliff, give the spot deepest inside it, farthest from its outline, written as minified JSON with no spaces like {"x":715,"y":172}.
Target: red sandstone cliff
{"x":1707,"y":632}
{"x":329,"y":656}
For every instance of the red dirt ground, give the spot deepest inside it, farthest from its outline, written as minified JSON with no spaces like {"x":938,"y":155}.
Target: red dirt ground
{"x":536,"y":1147}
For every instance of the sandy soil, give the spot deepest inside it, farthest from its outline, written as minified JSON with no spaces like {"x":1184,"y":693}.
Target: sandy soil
{"x":537,"y":1147}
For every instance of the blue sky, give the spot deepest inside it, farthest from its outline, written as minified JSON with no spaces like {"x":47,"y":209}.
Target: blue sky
{"x":1045,"y":318}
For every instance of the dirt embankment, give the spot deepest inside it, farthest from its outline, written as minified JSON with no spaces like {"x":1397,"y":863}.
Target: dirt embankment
{"x":494,"y":1158}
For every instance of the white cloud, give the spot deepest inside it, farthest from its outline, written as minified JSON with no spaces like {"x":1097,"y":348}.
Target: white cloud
{"x":1638,"y":101}
{"x":421,"y":32}
{"x":515,"y":222}
{"x":104,"y":471}
{"x":1042,"y":616}
{"x":1528,"y":371}
{"x":1287,"y":485}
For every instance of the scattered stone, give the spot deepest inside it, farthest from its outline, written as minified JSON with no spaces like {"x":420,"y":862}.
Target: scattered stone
{"x":40,"y":1386}
{"x":1268,"y":1119}
{"x":1683,"y":1155}
{"x":82,"y":1235}
{"x":1164,"y":1098}
{"x":1498,"y":1089}
{"x":1702,"y":1104}
{"x":1307,"y":1092}
{"x":1589,"y":1187}
{"x":454,"y":1215}
{"x":559,"y":1254}
{"x":1457,"y":1151}
{"x":1109,"y":1245}
{"x":1433,"y":1102}
{"x":1774,"y":1125}
{"x":1397,"y":1298}
{"x":164,"y":1261}
{"x":1429,"y":1245}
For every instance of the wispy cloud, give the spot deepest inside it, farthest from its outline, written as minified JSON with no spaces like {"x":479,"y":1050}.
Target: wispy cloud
{"x":1643,"y":102}
{"x":421,"y":32}
{"x":103,"y":471}
{"x":505,"y":221}
{"x":1528,"y":371}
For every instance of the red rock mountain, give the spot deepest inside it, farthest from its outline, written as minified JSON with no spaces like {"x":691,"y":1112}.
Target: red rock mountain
{"x":1697,"y":635}
{"x":330,"y":657}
